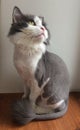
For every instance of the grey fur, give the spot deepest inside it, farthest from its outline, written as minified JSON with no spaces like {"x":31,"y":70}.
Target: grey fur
{"x":53,"y":66}
{"x":54,"y":95}
{"x":21,"y":22}
{"x":58,"y":87}
{"x":23,"y":113}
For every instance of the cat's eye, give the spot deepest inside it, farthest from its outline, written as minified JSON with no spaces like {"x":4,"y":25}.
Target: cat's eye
{"x":31,"y":23}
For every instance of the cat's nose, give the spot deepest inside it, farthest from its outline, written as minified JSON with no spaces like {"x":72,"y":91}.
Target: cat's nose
{"x":42,"y":28}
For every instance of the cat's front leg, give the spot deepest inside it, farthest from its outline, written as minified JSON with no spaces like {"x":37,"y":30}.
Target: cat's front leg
{"x":29,"y":80}
{"x":26,"y":92}
{"x":36,"y":90}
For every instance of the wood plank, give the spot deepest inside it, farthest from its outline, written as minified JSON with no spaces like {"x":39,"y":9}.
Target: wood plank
{"x":71,"y":121}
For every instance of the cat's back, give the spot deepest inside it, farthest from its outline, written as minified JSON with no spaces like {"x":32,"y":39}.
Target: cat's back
{"x":56,"y":67}
{"x":54,"y":61}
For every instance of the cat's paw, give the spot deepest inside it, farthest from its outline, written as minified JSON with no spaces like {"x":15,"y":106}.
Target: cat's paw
{"x":34,"y":93}
{"x":45,"y":82}
{"x":23,"y":96}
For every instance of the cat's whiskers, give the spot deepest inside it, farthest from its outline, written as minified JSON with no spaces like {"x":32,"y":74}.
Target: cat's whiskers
{"x":28,"y":33}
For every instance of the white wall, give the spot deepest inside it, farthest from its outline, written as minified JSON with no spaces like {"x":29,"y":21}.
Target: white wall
{"x":62,"y":17}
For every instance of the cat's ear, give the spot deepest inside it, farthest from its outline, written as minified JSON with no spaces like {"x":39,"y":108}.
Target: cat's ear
{"x":43,"y":21}
{"x":17,"y":15}
{"x":42,"y":18}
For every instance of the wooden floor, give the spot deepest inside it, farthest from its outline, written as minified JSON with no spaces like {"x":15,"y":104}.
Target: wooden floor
{"x":71,"y":121}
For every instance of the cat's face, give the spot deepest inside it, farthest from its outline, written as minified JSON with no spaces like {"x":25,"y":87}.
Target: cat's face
{"x":28,"y":28}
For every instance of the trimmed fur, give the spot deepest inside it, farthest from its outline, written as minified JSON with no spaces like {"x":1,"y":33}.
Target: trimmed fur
{"x":23,"y":113}
{"x":45,"y":75}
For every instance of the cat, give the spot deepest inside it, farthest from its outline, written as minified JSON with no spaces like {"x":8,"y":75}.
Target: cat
{"x":45,"y":75}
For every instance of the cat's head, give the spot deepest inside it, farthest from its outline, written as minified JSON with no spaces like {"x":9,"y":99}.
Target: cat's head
{"x":28,"y":29}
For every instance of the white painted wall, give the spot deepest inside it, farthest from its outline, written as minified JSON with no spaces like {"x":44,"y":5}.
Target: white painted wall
{"x":62,"y":17}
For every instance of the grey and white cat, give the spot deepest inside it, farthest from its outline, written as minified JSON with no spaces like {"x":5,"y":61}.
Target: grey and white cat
{"x":45,"y":75}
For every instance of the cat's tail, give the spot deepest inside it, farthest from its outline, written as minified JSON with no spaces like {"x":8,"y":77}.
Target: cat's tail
{"x":23,"y":113}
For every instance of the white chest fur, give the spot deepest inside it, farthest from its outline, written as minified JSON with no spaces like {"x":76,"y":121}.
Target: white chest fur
{"x":29,"y":56}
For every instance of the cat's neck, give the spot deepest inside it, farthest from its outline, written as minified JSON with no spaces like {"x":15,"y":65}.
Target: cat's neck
{"x":33,"y":49}
{"x":29,"y":55}
{"x":23,"y":44}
